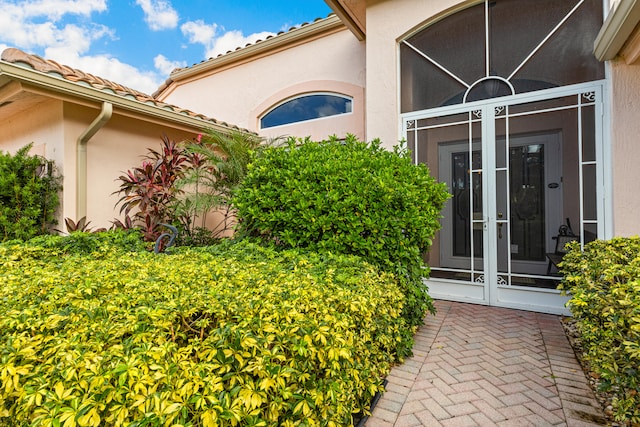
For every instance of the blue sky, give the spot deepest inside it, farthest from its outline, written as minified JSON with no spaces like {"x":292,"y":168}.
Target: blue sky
{"x":138,"y":42}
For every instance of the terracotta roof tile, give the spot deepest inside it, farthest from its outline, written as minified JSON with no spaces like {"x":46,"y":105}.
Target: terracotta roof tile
{"x":48,"y":66}
{"x":74,"y":75}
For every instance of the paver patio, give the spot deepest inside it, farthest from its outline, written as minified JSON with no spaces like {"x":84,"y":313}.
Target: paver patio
{"x":480,"y":366}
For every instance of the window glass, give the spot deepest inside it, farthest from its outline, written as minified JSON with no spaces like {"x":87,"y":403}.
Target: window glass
{"x":306,"y":107}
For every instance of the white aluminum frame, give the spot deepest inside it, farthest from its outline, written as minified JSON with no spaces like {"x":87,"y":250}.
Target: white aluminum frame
{"x":543,"y":300}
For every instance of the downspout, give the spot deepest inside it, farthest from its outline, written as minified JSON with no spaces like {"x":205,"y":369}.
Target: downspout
{"x":81,"y":158}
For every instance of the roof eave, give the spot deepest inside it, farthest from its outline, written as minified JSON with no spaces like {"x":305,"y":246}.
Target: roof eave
{"x":349,"y":21}
{"x":37,"y":82}
{"x":323,"y":26}
{"x":619,"y":25}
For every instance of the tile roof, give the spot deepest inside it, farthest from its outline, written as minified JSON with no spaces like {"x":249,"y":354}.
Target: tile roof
{"x":170,"y":80}
{"x":47,"y":66}
{"x":280,"y":33}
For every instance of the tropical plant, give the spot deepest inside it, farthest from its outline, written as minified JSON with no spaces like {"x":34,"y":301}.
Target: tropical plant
{"x":347,"y":197}
{"x":29,"y":189}
{"x":125,"y":223}
{"x":148,"y":192}
{"x":81,"y":226}
{"x":218,"y":164}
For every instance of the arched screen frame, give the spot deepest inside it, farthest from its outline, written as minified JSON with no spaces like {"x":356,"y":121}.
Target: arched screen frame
{"x":529,"y":44}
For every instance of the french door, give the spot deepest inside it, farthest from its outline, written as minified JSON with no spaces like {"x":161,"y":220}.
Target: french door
{"x":518,"y":167}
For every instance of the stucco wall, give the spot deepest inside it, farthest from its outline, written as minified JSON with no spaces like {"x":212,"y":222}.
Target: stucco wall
{"x":390,"y":21}
{"x":387,"y":23}
{"x":42,"y":126}
{"x":625,"y":143}
{"x":116,"y":148}
{"x":240,"y":94}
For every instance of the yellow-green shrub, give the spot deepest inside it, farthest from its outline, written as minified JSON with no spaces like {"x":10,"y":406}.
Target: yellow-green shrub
{"x":604,"y":283}
{"x":351,"y":197}
{"x":236,"y":335}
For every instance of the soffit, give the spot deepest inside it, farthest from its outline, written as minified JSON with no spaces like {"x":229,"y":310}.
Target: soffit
{"x":353,"y":13}
{"x":12,"y":103}
{"x":631,"y":50}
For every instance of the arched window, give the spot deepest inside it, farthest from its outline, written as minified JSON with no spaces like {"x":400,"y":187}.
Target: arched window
{"x":498,"y":48}
{"x":307,"y":107}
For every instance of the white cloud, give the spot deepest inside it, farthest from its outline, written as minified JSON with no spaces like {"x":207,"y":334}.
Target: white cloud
{"x":205,"y":34}
{"x":52,"y":9}
{"x":165,"y":66}
{"x":159,"y":14}
{"x":233,"y":39}
{"x":20,"y":24}
{"x":34,"y":25}
{"x":199,"y":32}
{"x":108,"y":68}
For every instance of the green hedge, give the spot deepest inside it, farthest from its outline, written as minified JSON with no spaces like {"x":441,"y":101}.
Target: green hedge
{"x":348,"y":197}
{"x":604,"y":283}
{"x":221,"y":336}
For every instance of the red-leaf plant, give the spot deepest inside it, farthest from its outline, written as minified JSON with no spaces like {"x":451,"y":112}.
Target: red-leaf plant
{"x":149,"y":190}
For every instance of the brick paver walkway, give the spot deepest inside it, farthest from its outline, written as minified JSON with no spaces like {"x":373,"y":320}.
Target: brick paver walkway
{"x":481,"y":366}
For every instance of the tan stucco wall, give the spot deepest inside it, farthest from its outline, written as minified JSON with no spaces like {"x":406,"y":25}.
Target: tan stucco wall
{"x":387,"y":23}
{"x":116,"y":148}
{"x":54,"y":127}
{"x":625,"y":137}
{"x":240,"y":93}
{"x":42,"y":126}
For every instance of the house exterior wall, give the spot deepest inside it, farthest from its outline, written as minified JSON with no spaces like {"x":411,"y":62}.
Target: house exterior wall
{"x":41,"y":125}
{"x":116,"y":148}
{"x":625,"y":147}
{"x":54,"y":127}
{"x":242,"y":92}
{"x":387,"y":23}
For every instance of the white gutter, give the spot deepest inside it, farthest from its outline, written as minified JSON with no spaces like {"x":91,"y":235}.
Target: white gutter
{"x":620,"y":23}
{"x":81,"y":158}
